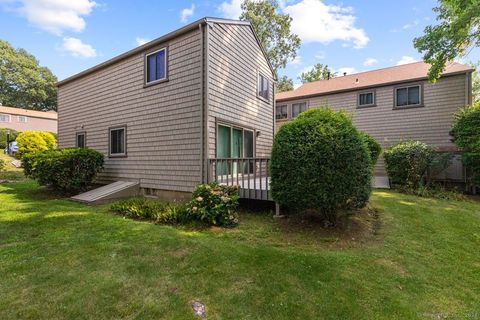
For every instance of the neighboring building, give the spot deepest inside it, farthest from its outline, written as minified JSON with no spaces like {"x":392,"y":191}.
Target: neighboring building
{"x":28,"y":120}
{"x":391,"y":104}
{"x":161,"y":112}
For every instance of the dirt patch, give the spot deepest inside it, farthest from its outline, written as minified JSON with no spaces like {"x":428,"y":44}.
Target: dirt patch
{"x":353,"y":227}
{"x":181,"y":253}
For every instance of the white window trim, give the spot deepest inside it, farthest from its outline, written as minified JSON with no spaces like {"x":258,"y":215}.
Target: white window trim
{"x":366,"y":105}
{"x":259,"y":74}
{"x":420,"y":96}
{"x":24,"y":117}
{"x":123,"y":154}
{"x":165,"y":66}
{"x":8,"y":117}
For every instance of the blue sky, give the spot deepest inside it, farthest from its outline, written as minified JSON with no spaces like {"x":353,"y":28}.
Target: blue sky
{"x":69,"y":36}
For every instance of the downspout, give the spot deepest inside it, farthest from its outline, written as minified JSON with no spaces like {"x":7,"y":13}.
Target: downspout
{"x":202,"y":109}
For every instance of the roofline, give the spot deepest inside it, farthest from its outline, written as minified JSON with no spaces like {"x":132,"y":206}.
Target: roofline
{"x":160,"y":40}
{"x":384,"y":84}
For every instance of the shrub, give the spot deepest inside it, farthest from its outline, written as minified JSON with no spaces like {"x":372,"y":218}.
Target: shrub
{"x":407,"y":162}
{"x":67,"y":170}
{"x":3,"y":137}
{"x":466,"y":135}
{"x":34,"y":141}
{"x":374,"y":148}
{"x":149,"y":209}
{"x":214,"y":204}
{"x":319,"y":161}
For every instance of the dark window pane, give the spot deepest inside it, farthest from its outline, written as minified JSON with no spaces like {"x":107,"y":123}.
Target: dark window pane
{"x":160,"y":65}
{"x":281,"y":112}
{"x":402,"y":97}
{"x":414,"y":95}
{"x":298,"y":108}
{"x":263,"y":86}
{"x":151,"y":67}
{"x":117,"y":141}
{"x":366,"y":98}
{"x":81,"y":141}
{"x":248,"y":144}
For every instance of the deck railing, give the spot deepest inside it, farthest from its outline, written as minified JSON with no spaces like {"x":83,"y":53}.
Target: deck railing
{"x":250,"y":175}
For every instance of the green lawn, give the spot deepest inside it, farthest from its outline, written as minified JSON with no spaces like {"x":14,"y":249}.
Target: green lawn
{"x":11,"y":172}
{"x":418,"y":259}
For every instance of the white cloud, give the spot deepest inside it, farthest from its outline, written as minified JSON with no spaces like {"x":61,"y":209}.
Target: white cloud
{"x":141,"y":41}
{"x":55,"y":16}
{"x":320,"y":55}
{"x":411,"y":25}
{"x":77,"y":48}
{"x":370,"y":62}
{"x":297,"y":60}
{"x":315,"y":21}
{"x":187,"y":13}
{"x":231,"y":9}
{"x":405,"y":60}
{"x":348,"y":70}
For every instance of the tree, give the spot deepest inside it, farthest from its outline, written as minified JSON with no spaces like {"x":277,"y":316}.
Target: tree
{"x":458,"y":30}
{"x":23,"y":82}
{"x":284,"y":84}
{"x":273,"y":31}
{"x":318,"y":72}
{"x":476,"y":82}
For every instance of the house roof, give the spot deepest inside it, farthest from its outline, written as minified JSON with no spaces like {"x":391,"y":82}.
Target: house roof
{"x":29,"y":113}
{"x":387,"y":76}
{"x":161,"y":40}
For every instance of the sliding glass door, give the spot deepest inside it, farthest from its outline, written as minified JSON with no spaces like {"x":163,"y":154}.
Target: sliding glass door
{"x":233,"y":142}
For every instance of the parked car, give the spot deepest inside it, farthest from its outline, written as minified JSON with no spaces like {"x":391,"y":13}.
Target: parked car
{"x":13,"y":148}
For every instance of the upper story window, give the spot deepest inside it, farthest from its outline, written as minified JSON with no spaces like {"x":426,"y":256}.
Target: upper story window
{"x":366,"y":99}
{"x":22,"y":119}
{"x":408,"y":96}
{"x":4,"y":117}
{"x":298,"y":108}
{"x":118,"y":144}
{"x":81,"y":140}
{"x":281,"y":112}
{"x":156,"y":66}
{"x":263,"y":87}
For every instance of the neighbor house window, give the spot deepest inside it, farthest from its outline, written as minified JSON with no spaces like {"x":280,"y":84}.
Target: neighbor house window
{"x":22,"y":119}
{"x":118,"y":146}
{"x":156,"y":68}
{"x":298,"y":108}
{"x":408,"y":96}
{"x":366,"y":99}
{"x":4,"y":117}
{"x":281,"y":112}
{"x":81,"y":140}
{"x":263,"y":87}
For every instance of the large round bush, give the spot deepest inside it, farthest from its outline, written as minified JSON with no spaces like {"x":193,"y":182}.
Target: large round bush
{"x":374,"y":148}
{"x":466,"y":135}
{"x":35,"y":141}
{"x":319,"y":161}
{"x":66,"y":170}
{"x":407,"y":162}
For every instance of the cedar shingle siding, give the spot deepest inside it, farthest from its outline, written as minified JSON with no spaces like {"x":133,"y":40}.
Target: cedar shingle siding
{"x":164,"y":121}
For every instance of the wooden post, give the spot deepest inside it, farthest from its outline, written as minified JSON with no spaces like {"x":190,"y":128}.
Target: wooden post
{"x":277,"y":211}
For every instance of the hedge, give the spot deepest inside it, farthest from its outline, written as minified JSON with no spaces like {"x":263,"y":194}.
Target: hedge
{"x":320,"y":161}
{"x":66,"y":170}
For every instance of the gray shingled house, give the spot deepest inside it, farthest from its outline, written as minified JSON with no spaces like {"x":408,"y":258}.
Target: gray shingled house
{"x":165,"y":112}
{"x":391,"y":104}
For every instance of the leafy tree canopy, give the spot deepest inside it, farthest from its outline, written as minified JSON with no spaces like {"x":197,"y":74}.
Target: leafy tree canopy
{"x":284,"y":84}
{"x":318,"y":72}
{"x":476,"y":82}
{"x":458,"y":30}
{"x":273,"y":31}
{"x":23,"y":82}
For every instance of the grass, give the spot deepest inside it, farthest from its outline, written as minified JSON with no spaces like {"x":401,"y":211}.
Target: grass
{"x":415,"y":258}
{"x":11,"y":173}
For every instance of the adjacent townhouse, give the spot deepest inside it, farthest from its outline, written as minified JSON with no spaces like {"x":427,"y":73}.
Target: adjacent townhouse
{"x":163,"y":112}
{"x":28,"y":120}
{"x":391,"y":104}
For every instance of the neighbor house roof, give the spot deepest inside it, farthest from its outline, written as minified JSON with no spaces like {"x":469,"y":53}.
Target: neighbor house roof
{"x":387,"y":76}
{"x":29,"y":113}
{"x":162,"y":39}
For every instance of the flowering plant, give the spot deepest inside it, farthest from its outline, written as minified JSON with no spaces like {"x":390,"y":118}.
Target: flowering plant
{"x":214,"y":204}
